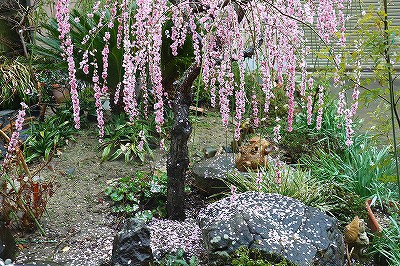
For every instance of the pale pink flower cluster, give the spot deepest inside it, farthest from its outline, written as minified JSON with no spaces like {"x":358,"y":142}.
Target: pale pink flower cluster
{"x":267,"y":85}
{"x":233,"y":193}
{"x":12,"y":144}
{"x":240,"y":105}
{"x":254,"y":104}
{"x":105,"y":53}
{"x":162,"y":145}
{"x":117,"y":92}
{"x":349,"y":127}
{"x":278,"y":178}
{"x":84,"y":64}
{"x":141,"y":142}
{"x":303,"y":66}
{"x":259,"y":180}
{"x":310,"y":102}
{"x":320,"y":106}
{"x":99,"y":107}
{"x":342,"y":102}
{"x":179,"y":29}
{"x":327,"y":21}
{"x":290,"y":94}
{"x":309,"y":109}
{"x":341,"y":21}
{"x":277,"y":130}
{"x":62,"y":16}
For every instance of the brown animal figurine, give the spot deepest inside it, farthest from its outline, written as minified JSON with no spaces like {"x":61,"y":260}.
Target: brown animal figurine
{"x":254,"y":155}
{"x":355,"y":236}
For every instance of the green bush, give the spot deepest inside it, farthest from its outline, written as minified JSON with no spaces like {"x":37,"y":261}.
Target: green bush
{"x":295,"y":183}
{"x":45,"y":137}
{"x":306,"y":139}
{"x":17,"y":84}
{"x":388,"y":244}
{"x":177,"y":259}
{"x":359,"y":168}
{"x":122,"y":138}
{"x":143,"y":195}
{"x":326,"y":195}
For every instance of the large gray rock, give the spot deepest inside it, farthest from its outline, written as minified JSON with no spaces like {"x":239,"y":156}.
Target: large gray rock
{"x":132,"y":245}
{"x":274,"y":224}
{"x":209,"y":173}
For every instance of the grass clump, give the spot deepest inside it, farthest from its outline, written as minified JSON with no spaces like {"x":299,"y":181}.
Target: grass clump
{"x":359,"y":168}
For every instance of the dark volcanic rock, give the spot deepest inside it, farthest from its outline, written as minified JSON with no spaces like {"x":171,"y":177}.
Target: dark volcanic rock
{"x":132,"y":245}
{"x":208,"y":173}
{"x":7,"y":244}
{"x":274,"y":224}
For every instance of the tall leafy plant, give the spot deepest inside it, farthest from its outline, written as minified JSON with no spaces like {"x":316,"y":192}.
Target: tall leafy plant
{"x":359,"y":168}
{"x":377,"y":43}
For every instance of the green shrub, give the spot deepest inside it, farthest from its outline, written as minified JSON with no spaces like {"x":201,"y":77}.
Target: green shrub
{"x":306,"y":139}
{"x":17,"y":84}
{"x":388,"y":245}
{"x":122,"y":138}
{"x":45,"y":137}
{"x":359,"y":168}
{"x":143,"y":195}
{"x":295,"y":183}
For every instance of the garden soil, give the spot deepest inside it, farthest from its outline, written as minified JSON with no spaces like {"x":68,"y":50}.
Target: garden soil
{"x":78,"y":222}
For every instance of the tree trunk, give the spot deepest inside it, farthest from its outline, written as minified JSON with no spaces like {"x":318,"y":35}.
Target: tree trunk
{"x":118,"y":108}
{"x":178,"y":157}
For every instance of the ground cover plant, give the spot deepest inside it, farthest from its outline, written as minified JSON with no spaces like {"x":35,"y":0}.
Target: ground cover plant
{"x":142,"y":196}
{"x":128,"y":140}
{"x":48,"y":136}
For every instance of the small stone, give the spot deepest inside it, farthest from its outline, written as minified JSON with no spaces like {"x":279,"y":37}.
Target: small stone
{"x":209,"y":152}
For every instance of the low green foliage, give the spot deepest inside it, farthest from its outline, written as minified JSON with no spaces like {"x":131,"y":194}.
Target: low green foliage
{"x":45,"y":137}
{"x":388,"y":245}
{"x":142,"y":195}
{"x":359,"y":168}
{"x":177,"y":259}
{"x":306,"y":139}
{"x":17,"y":84}
{"x":122,"y":139}
{"x":244,"y":256}
{"x":294,"y":182}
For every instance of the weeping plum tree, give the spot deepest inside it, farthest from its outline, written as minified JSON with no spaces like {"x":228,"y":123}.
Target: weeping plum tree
{"x":222,"y":34}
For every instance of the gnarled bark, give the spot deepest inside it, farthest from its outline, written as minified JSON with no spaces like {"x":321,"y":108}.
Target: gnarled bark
{"x":178,"y":157}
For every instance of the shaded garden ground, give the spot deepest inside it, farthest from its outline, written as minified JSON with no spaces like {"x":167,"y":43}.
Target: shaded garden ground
{"x":78,"y":222}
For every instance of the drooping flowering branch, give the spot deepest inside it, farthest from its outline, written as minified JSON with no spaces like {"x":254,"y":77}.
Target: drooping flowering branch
{"x":62,"y":16}
{"x":12,"y":144}
{"x":219,"y":32}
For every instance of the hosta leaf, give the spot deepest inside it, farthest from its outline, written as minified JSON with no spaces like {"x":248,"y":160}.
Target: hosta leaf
{"x":105,"y":153}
